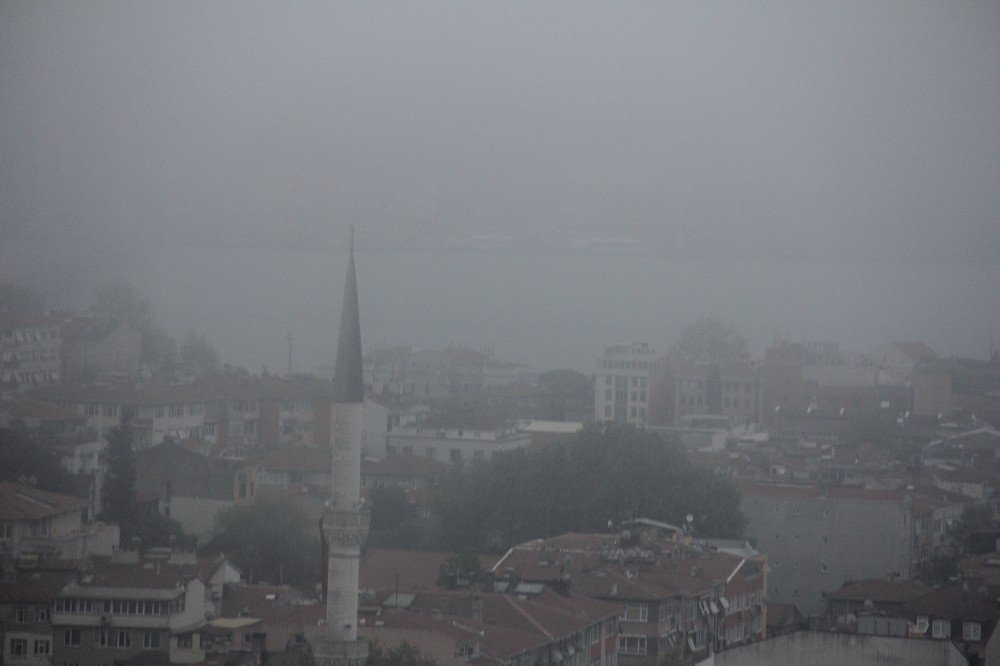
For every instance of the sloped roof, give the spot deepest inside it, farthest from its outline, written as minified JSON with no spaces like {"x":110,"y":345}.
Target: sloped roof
{"x":22,"y":502}
{"x":404,"y":465}
{"x":417,"y":570}
{"x":295,"y":459}
{"x":880,"y":591}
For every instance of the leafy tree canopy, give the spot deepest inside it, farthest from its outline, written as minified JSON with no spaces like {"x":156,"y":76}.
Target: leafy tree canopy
{"x":403,"y":654}
{"x":609,"y":472}
{"x":117,"y":302}
{"x":710,"y":339}
{"x":270,"y":542}
{"x":198,"y":356}
{"x":118,"y":495}
{"x":27,"y":454}
{"x":20,"y":299}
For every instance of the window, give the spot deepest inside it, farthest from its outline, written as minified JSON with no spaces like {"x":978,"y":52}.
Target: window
{"x":117,"y":638}
{"x":6,"y":531}
{"x":108,"y":410}
{"x":42,"y":647}
{"x":632,"y":645}
{"x":151,"y":640}
{"x":158,"y":412}
{"x":21,"y":614}
{"x":971,"y":631}
{"x":941,"y":629}
{"x":635,"y":613}
{"x":185,"y":641}
{"x":91,"y":409}
{"x":18,"y":647}
{"x":42,"y":614}
{"x":431,"y":453}
{"x":71,"y":637}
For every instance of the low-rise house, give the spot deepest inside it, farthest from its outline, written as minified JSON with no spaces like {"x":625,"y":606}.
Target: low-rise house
{"x":192,"y":488}
{"x":672,"y":598}
{"x":870,"y":597}
{"x":37,"y":523}
{"x":496,"y":622}
{"x":292,"y":466}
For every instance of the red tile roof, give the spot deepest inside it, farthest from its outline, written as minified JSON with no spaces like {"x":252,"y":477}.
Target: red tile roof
{"x":23,"y":502}
{"x":294,"y":459}
{"x":880,"y":591}
{"x":404,"y":465}
{"x":417,"y":570}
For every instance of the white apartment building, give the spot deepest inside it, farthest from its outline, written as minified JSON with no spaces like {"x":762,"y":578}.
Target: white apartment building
{"x":621,"y":383}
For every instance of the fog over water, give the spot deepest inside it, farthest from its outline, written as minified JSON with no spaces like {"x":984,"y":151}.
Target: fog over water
{"x":543,"y":179}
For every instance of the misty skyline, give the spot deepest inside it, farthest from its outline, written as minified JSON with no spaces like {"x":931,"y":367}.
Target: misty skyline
{"x":823,"y":171}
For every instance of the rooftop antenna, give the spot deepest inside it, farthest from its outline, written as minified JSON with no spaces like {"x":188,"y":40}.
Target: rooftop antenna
{"x":289,"y":353}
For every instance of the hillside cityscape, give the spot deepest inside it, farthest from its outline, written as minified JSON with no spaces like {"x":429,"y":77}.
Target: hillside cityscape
{"x":685,"y":506}
{"x":448,"y":333}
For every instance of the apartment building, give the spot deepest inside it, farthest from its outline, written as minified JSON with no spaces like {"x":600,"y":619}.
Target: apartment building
{"x":148,"y":610}
{"x":29,"y":351}
{"x":622,"y":383}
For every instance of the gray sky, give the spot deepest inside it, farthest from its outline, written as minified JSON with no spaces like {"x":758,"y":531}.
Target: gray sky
{"x":827,"y":170}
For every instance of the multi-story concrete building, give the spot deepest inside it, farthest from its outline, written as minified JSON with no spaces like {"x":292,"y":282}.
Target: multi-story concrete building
{"x":148,"y":611}
{"x":674,"y":598}
{"x":819,"y":537}
{"x":817,"y":375}
{"x":29,"y":351}
{"x":621,"y":384}
{"x":456,"y":438}
{"x":681,"y":388}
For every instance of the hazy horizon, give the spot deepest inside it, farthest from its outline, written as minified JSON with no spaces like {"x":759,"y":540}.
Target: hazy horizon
{"x":540,"y":179}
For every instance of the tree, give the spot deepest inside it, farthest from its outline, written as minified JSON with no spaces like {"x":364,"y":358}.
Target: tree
{"x":569,"y":392}
{"x":461,"y":570}
{"x":20,"y":299}
{"x":964,"y":538}
{"x":117,"y":303}
{"x":270,"y":542}
{"x":197,"y":354}
{"x":611,"y":471}
{"x":28,"y":455}
{"x":403,"y":654}
{"x":710,"y":339}
{"x":394,"y":522}
{"x":119,"y":489}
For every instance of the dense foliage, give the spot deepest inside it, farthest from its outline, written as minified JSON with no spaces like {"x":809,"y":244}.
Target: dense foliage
{"x":710,"y":339}
{"x":29,"y":456}
{"x":269,"y":541}
{"x":403,"y":654}
{"x":118,"y":496}
{"x":604,"y":474}
{"x":394,"y":521}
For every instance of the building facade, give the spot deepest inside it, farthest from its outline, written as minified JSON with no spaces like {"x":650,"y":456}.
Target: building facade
{"x":621,"y":383}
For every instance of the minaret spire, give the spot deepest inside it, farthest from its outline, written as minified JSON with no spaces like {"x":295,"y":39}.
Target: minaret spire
{"x":348,"y":374}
